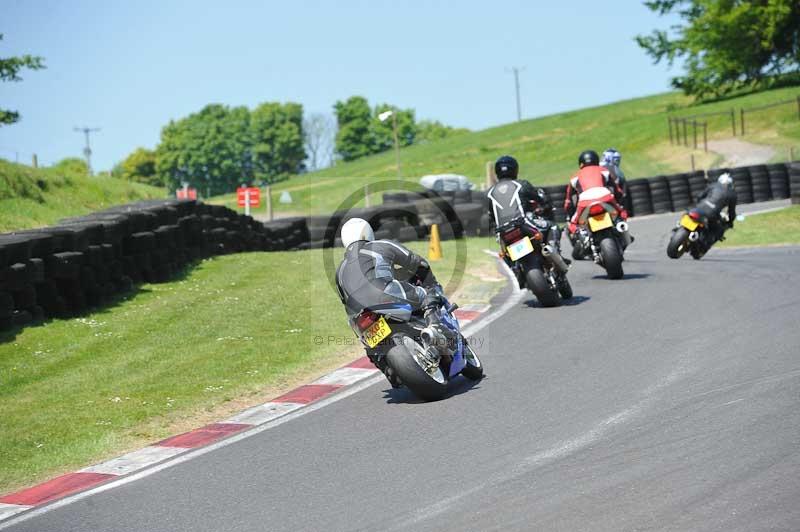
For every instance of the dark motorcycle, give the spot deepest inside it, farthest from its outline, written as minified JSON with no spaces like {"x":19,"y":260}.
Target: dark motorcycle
{"x":536,"y":264}
{"x":393,"y":331}
{"x":692,"y":234}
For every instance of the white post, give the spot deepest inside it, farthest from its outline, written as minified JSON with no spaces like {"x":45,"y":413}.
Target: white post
{"x":247,"y":201}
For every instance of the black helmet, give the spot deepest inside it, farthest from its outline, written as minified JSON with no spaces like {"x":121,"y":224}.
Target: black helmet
{"x":506,"y":167}
{"x":588,"y":158}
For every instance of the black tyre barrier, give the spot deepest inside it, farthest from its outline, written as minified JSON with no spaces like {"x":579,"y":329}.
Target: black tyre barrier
{"x":697,"y":184}
{"x":759,"y":181}
{"x":742,"y":184}
{"x":794,"y":182}
{"x":639,"y":191}
{"x":659,"y":194}
{"x":679,"y":191}
{"x":778,"y":180}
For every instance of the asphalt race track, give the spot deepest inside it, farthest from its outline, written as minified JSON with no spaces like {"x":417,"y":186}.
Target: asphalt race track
{"x":669,"y":400}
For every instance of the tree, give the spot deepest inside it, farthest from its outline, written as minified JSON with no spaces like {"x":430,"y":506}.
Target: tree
{"x":9,"y":71}
{"x":353,"y":118}
{"x":140,"y":166}
{"x":362,"y":133}
{"x":205,"y":149}
{"x":319,"y":131}
{"x":219,"y":147}
{"x":727,"y":44}
{"x":277,"y":132}
{"x":383,"y":132}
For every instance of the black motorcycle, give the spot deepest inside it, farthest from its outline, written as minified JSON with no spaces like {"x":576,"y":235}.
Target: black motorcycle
{"x":692,"y":234}
{"x":535,"y":263}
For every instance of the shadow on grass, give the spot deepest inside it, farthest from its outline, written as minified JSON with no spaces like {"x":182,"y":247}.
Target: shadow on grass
{"x":459,"y":385}
{"x":114,"y":301}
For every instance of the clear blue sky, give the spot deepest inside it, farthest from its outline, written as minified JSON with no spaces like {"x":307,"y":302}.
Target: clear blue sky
{"x":130,"y":67}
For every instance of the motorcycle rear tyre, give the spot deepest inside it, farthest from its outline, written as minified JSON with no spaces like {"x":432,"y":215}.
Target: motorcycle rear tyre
{"x":612,"y":258}
{"x":679,"y":237}
{"x":537,"y":283}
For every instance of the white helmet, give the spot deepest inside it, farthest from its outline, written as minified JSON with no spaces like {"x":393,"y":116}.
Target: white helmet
{"x":356,"y":229}
{"x":725,"y":179}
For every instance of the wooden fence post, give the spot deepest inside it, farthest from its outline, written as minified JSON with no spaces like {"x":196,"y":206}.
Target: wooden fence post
{"x":705,"y":137}
{"x":669,"y":122}
{"x":741,"y":118}
{"x":685,"y":134}
{"x":692,"y":157}
{"x":733,"y":121}
{"x":798,"y":107}
{"x":694,"y":133}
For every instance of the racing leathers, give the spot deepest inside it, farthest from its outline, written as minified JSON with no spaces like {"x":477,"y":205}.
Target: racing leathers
{"x":511,"y":199}
{"x":591,"y":184}
{"x":710,"y":204}
{"x":381,"y":271}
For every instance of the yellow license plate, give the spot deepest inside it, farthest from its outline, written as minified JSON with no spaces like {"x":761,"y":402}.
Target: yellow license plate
{"x":377,"y":332}
{"x":600,"y":221}
{"x":520,"y":248}
{"x":688,"y":223}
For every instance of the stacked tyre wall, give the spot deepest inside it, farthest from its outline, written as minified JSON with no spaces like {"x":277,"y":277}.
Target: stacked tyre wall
{"x":86,"y":261}
{"x":403,"y":216}
{"x":676,"y":192}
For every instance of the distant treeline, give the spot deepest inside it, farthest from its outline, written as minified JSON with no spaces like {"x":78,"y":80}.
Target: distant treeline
{"x":221,"y":147}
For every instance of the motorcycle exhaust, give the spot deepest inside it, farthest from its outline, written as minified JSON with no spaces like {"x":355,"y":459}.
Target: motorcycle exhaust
{"x":694,"y":236}
{"x":622,"y":227}
{"x":555,"y":258}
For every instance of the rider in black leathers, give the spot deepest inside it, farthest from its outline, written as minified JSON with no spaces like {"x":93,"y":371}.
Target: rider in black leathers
{"x":380,"y":271}
{"x":512,"y":198}
{"x":710,"y":203}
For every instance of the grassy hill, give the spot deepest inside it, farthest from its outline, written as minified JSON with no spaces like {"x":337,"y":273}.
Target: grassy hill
{"x":34,"y":197}
{"x":547,"y":147}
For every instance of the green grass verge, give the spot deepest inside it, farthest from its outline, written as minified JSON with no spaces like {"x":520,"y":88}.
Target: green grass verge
{"x":31,"y":197}
{"x":547,"y":147}
{"x":769,"y":228}
{"x":234,"y":331}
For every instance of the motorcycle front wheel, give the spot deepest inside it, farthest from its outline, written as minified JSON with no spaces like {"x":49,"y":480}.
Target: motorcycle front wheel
{"x":409,"y":361}
{"x":474,"y":368}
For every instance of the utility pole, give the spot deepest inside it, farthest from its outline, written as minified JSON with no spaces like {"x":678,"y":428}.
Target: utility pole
{"x":516,"y":71}
{"x":87,"y":151}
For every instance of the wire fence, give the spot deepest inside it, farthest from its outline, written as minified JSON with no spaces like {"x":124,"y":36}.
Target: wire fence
{"x":678,"y":126}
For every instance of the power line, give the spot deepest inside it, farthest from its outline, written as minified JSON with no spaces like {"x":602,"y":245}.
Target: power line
{"x":516,"y":71}
{"x":87,"y":151}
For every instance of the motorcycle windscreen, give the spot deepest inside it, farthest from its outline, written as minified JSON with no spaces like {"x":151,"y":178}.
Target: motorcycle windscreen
{"x":600,"y":222}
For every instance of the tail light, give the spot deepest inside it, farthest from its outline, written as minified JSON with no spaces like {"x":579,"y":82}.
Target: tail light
{"x":694,"y":215}
{"x":365,"y":320}
{"x":512,"y":235}
{"x":594,"y":210}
